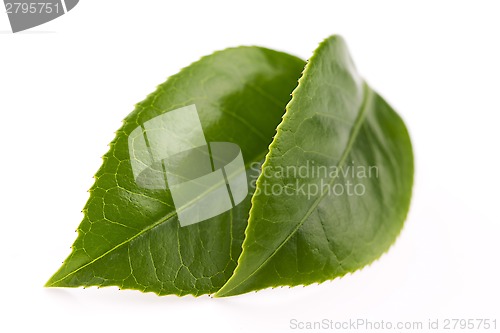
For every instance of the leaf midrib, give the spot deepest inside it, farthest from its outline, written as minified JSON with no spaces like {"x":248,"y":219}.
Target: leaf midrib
{"x":143,"y":231}
{"x":368,"y":94}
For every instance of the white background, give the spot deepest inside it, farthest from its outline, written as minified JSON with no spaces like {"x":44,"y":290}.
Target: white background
{"x":66,"y":85}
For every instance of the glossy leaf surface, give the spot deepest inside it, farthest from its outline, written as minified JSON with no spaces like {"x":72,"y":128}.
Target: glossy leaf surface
{"x":130,"y":236}
{"x":341,"y":214}
{"x":334,"y":122}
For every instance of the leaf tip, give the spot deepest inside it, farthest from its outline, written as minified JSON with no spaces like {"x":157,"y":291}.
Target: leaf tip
{"x":50,"y":282}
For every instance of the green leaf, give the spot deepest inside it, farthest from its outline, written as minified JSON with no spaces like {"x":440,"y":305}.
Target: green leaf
{"x":333,"y":122}
{"x":301,"y":228}
{"x":130,"y":236}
